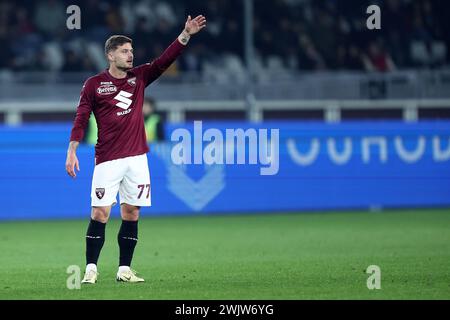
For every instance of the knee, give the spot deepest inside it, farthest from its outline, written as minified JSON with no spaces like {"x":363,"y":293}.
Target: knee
{"x":100,"y":214}
{"x":130,"y":213}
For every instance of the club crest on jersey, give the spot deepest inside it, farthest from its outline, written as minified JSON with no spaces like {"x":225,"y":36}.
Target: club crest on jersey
{"x":132,"y":81}
{"x":106,"y":89}
{"x":100,"y":192}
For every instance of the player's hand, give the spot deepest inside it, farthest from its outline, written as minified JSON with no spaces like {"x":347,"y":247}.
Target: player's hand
{"x":193,"y":26}
{"x":72,"y":163}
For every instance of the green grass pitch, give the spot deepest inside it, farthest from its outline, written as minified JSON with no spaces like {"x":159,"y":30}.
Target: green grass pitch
{"x":267,"y":256}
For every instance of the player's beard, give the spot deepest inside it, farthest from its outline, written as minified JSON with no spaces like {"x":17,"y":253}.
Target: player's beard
{"x":123,"y":68}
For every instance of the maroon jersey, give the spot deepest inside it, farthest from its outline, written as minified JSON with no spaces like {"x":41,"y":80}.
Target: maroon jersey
{"x":117,"y":107}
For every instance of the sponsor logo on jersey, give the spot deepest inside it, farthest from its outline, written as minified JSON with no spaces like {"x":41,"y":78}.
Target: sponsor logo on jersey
{"x":106,"y":89}
{"x":132,"y":81}
{"x":122,"y":113}
{"x":99,"y":192}
{"x":106,"y":82}
{"x":124,"y":99}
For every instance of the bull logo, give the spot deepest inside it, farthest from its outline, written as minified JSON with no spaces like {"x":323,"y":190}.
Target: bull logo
{"x":100,"y":192}
{"x":132,"y":81}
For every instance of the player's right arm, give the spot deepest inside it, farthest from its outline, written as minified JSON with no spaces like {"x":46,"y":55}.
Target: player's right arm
{"x":72,"y":159}
{"x":80,"y":124}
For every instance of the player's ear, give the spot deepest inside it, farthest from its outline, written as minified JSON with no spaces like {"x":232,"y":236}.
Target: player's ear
{"x":110,"y":57}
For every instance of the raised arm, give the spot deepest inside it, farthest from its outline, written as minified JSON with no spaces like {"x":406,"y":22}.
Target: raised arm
{"x":151,"y":71}
{"x":191,"y":27}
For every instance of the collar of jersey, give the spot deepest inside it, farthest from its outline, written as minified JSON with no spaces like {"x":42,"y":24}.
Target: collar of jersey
{"x":109,"y":75}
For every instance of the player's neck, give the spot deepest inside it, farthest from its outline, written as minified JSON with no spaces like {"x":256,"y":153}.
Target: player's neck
{"x":117,"y":73}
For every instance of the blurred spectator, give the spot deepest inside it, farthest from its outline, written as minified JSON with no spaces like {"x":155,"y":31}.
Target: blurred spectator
{"x":74,"y":63}
{"x":114,"y":20}
{"x":324,"y":36}
{"x":50,"y":17}
{"x":6,"y":57}
{"x":154,"y":125}
{"x":310,"y":58}
{"x":93,"y":20}
{"x":289,"y":35}
{"x":378,"y":59}
{"x":354,"y":59}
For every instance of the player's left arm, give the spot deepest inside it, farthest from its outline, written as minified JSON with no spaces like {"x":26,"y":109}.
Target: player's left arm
{"x":191,"y":27}
{"x":153,"y":70}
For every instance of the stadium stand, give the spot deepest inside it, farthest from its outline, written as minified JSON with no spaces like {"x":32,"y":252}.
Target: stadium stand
{"x":289,"y":34}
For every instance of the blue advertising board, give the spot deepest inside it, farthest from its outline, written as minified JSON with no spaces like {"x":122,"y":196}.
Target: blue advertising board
{"x":315,"y":166}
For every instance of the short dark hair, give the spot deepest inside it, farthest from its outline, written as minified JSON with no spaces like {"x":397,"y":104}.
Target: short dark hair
{"x":114,"y":41}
